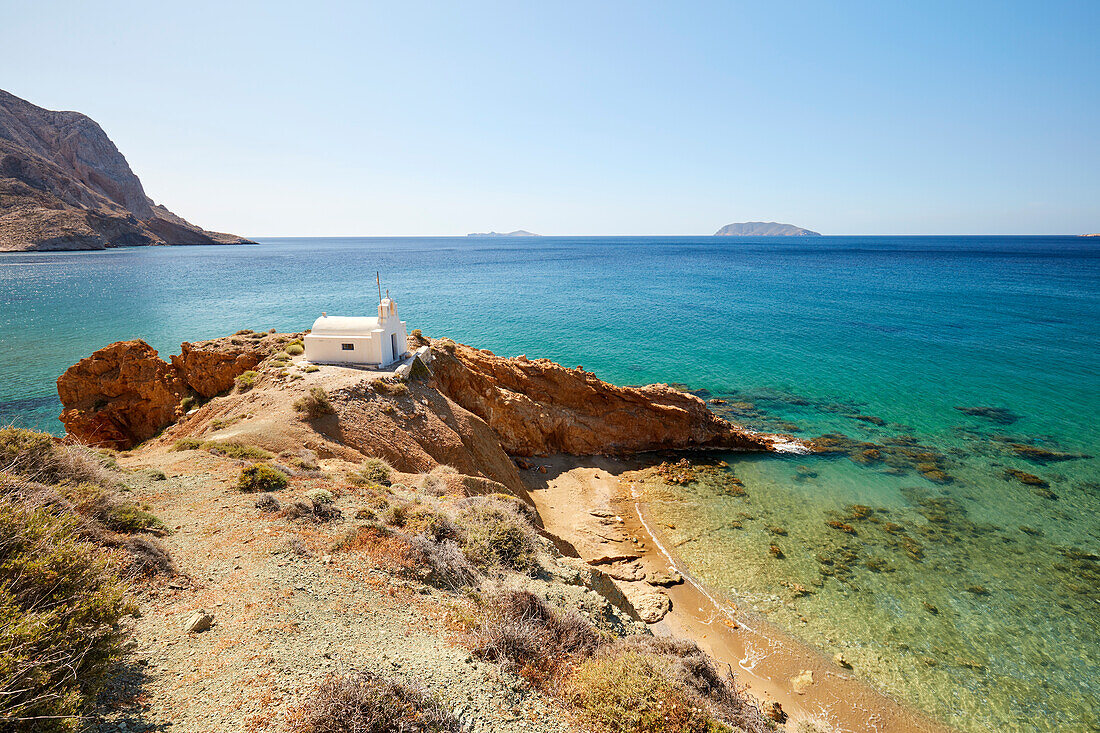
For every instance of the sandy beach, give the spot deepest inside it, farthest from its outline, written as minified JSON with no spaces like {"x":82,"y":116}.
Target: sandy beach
{"x":592,"y":506}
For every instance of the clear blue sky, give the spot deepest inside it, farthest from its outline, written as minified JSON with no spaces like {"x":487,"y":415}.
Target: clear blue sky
{"x":321,"y":118}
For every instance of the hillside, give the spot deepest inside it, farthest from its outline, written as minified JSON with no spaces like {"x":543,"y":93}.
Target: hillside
{"x":763,"y":229}
{"x":65,"y":186}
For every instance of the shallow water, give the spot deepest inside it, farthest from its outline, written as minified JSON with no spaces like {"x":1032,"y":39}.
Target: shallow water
{"x":871,"y":338}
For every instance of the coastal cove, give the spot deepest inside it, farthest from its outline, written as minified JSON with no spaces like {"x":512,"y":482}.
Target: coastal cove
{"x":986,"y":514}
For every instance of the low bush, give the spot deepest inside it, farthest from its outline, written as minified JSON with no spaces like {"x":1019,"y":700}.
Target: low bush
{"x":129,"y":518}
{"x":187,"y":403}
{"x":629,"y":693}
{"x":147,"y":557}
{"x":318,"y":511}
{"x":320,"y":496}
{"x":522,"y":632}
{"x":246,"y":380}
{"x":315,"y":404}
{"x":311,"y":368}
{"x":391,"y":389}
{"x":39,"y":457}
{"x":689,"y":667}
{"x":261,"y":477}
{"x":497,"y":534}
{"x":267,"y":503}
{"x":294,"y":349}
{"x":367,"y":703}
{"x":239,"y":451}
{"x":61,"y":603}
{"x":187,"y":444}
{"x":374,"y":471}
{"x":446,"y":563}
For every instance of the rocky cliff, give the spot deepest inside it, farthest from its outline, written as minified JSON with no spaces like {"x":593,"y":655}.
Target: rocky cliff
{"x":64,"y":185}
{"x":763,"y":229}
{"x":538,"y":407}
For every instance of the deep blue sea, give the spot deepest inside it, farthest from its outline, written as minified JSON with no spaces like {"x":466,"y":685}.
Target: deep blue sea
{"x":952,"y":555}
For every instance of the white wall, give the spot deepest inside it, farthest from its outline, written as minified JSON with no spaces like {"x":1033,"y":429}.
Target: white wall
{"x":327,"y":349}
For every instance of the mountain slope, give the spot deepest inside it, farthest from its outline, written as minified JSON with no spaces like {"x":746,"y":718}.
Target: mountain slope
{"x":763,"y":229}
{"x":64,"y":185}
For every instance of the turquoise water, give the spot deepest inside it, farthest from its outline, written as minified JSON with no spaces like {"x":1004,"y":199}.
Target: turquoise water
{"x":877,"y":339}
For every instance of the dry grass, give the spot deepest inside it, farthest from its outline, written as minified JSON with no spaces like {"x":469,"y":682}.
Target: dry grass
{"x":523,"y":633}
{"x":366,"y":703}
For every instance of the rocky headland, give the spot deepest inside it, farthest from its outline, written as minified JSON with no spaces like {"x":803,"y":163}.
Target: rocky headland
{"x":65,"y":186}
{"x":763,"y":229}
{"x":467,"y":526}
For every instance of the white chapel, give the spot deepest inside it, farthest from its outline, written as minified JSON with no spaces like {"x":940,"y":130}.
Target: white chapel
{"x":367,"y":341}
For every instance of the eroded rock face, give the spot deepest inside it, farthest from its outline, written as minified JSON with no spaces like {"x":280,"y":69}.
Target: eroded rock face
{"x":120,"y":395}
{"x":538,"y":407}
{"x":210,"y":367}
{"x":125,"y":393}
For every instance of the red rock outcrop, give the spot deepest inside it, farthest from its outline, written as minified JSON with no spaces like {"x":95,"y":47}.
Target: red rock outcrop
{"x":124,"y":393}
{"x":120,"y":395}
{"x":210,"y":367}
{"x":538,"y":407}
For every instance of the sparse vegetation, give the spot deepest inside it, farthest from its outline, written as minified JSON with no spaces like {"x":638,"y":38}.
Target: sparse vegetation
{"x":294,"y":348}
{"x":366,"y":703}
{"x":267,"y":503}
{"x":389,"y":388}
{"x":38,"y":457}
{"x":247,"y":380}
{"x":497,"y":535}
{"x":187,"y":444}
{"x":187,"y":403}
{"x":311,"y":368}
{"x":239,"y":451}
{"x":374,"y":471}
{"x":60,"y":600}
{"x":629,"y":693}
{"x":261,"y":477}
{"x":315,"y":404}
{"x":130,"y":518}
{"x":523,"y":633}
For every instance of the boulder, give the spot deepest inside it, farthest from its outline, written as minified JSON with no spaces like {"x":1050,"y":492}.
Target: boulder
{"x":198,"y":622}
{"x":651,"y":607}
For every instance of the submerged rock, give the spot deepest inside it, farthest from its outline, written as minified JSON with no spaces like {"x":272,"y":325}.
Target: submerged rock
{"x":999,"y":415}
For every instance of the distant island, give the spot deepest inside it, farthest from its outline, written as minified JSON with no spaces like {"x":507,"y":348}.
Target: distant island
{"x":65,"y":186}
{"x":763,"y":229}
{"x":516,"y":233}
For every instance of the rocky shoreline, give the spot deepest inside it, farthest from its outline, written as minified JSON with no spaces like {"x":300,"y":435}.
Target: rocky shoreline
{"x":471,"y":425}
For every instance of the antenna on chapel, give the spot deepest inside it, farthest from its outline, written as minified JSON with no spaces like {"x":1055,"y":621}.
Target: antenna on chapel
{"x":378,"y":280}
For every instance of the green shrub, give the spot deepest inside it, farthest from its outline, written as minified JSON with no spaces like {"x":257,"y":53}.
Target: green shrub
{"x":497,"y":535}
{"x":261,"y":477}
{"x":390,"y":389}
{"x":187,"y":403}
{"x":187,"y":444}
{"x":247,"y":380}
{"x":320,"y":496}
{"x":629,"y":693}
{"x":240,"y":451}
{"x":315,"y":404}
{"x":366,"y":703}
{"x":294,"y":349}
{"x":311,"y":368}
{"x":130,"y":518}
{"x":374,"y":471}
{"x":60,"y":604}
{"x":37,"y":456}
